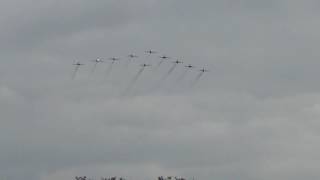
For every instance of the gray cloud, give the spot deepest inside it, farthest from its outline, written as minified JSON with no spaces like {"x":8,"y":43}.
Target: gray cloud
{"x":254,"y":116}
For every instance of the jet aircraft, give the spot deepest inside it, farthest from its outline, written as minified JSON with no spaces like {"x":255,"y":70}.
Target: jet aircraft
{"x":98,"y":60}
{"x":145,"y":65}
{"x":78,"y":64}
{"x":164,"y":57}
{"x":204,"y":70}
{"x":189,"y":66}
{"x":132,"y":56}
{"x":151,"y":52}
{"x":178,"y":62}
{"x":114,"y":59}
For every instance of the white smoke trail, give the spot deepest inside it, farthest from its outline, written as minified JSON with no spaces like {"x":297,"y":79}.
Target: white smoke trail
{"x":160,"y":82}
{"x":94,"y":67}
{"x":75,"y":72}
{"x":109,"y":69}
{"x":197,"y":79}
{"x":182,"y":76}
{"x":134,"y":80}
{"x":171,"y":69}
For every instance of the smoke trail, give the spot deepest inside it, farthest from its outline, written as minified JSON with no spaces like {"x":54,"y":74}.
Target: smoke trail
{"x":197,"y":79}
{"x":126,"y":65}
{"x":159,"y":83}
{"x":169,"y":72}
{"x":147,"y":59}
{"x":75,"y":72}
{"x":134,"y":80}
{"x":178,"y":80}
{"x":94,"y":67}
{"x":136,"y":77}
{"x":182,"y":76}
{"x":109,"y":69}
{"x":159,"y":64}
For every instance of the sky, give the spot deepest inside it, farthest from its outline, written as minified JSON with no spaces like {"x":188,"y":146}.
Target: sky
{"x":253,"y":116}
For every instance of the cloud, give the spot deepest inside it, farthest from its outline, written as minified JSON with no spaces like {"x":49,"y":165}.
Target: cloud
{"x":253,"y":116}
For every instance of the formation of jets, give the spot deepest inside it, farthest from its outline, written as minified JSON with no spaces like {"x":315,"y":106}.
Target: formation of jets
{"x":131,"y":56}
{"x":144,"y":65}
{"x":114,"y":59}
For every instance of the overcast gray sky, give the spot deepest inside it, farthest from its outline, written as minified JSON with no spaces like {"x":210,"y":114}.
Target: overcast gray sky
{"x":254,"y":116}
